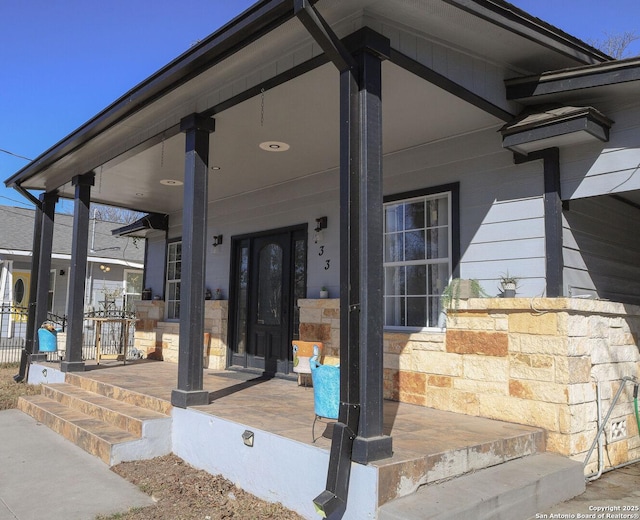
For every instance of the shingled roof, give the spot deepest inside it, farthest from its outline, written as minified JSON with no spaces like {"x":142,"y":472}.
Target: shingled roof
{"x":16,"y":234}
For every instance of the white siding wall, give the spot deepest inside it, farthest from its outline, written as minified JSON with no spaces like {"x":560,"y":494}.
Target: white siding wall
{"x":602,"y":168}
{"x":601,"y":252}
{"x":501,"y":208}
{"x":294,"y":203}
{"x":501,"y":214}
{"x":156,"y":262}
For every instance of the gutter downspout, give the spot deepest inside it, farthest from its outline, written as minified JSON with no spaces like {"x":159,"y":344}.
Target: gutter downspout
{"x":600,"y":439}
{"x":334,"y":498}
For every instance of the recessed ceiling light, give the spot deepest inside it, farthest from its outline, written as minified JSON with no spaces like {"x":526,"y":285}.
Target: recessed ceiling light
{"x":139,"y":194}
{"x":216,"y":168}
{"x":171,"y":182}
{"x":274,"y":146}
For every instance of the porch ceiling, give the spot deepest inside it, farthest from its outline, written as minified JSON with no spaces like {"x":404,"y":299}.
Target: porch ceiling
{"x":266,"y":41}
{"x":303,"y":113}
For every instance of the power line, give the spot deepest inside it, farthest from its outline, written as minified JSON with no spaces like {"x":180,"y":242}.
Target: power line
{"x":15,"y":155}
{"x":16,"y":201}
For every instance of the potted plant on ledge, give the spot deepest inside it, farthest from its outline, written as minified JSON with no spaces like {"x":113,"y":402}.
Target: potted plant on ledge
{"x":509,"y":285}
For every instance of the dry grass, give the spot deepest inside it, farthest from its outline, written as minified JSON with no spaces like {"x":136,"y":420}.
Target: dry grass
{"x":10,"y":390}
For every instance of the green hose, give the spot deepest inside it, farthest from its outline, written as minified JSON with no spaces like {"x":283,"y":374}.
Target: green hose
{"x":635,"y":405}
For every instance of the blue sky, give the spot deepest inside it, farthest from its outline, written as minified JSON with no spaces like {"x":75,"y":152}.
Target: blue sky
{"x":63,"y":61}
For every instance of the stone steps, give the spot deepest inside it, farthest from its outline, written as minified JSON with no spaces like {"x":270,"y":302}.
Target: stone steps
{"x":119,"y":393}
{"x":514,"y":490}
{"x":111,"y":428}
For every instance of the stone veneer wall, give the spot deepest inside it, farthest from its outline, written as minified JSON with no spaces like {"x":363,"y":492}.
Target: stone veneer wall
{"x":320,"y":321}
{"x":528,"y":361}
{"x":160,"y":339}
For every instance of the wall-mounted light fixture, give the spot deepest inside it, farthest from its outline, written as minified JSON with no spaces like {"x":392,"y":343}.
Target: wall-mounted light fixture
{"x":247,"y":438}
{"x":321,"y":223}
{"x":217,"y":240}
{"x":61,"y":272}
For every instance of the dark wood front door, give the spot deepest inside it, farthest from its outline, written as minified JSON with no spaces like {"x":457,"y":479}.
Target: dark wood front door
{"x":268,"y":278}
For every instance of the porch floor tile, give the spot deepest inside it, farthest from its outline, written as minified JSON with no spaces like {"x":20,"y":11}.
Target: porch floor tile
{"x":281,"y":406}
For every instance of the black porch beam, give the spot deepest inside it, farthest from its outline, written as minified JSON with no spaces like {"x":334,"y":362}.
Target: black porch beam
{"x":28,"y":350}
{"x":323,"y":35}
{"x":552,"y":217}
{"x":437,"y":79}
{"x":78,"y":272}
{"x":194,"y":232}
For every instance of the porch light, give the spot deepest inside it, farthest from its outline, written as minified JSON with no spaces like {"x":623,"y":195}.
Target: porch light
{"x":321,"y":223}
{"x":217,"y":240}
{"x":247,"y":438}
{"x":274,"y":146}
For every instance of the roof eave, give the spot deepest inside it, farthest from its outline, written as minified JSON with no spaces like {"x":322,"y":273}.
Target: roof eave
{"x":259,"y":19}
{"x":516,"y":20}
{"x":578,"y":78}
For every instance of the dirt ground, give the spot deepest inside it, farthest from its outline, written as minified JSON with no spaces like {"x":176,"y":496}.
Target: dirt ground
{"x":181,"y":492}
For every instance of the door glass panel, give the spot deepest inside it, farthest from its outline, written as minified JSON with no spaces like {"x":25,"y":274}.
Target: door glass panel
{"x":299,"y":282}
{"x":242,"y":288}
{"x":270,"y":285}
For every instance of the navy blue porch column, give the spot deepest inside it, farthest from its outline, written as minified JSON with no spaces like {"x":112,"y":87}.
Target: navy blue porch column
{"x":194,"y":228}
{"x":370,"y":444}
{"x":78,"y":272}
{"x":48,"y":201}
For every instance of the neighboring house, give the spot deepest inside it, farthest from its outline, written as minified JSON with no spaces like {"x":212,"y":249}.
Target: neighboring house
{"x":114,"y":265}
{"x":380,"y":149}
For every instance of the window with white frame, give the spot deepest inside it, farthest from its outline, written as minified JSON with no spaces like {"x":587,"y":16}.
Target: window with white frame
{"x":418,"y":257}
{"x":132,"y":288}
{"x":174,"y":274}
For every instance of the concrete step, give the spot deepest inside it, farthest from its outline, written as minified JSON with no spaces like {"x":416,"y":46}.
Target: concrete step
{"x":406,"y":472}
{"x":95,"y":424}
{"x":118,"y":413}
{"x":119,"y":394}
{"x":515,"y":490}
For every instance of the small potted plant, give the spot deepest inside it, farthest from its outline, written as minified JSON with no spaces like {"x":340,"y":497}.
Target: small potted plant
{"x":460,"y":289}
{"x":324,"y":293}
{"x":509,"y":285}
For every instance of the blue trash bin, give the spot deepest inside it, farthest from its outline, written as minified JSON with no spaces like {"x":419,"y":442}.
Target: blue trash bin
{"x":47,"y":340}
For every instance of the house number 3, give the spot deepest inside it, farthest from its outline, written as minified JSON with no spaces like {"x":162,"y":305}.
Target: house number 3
{"x":327,"y":263}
